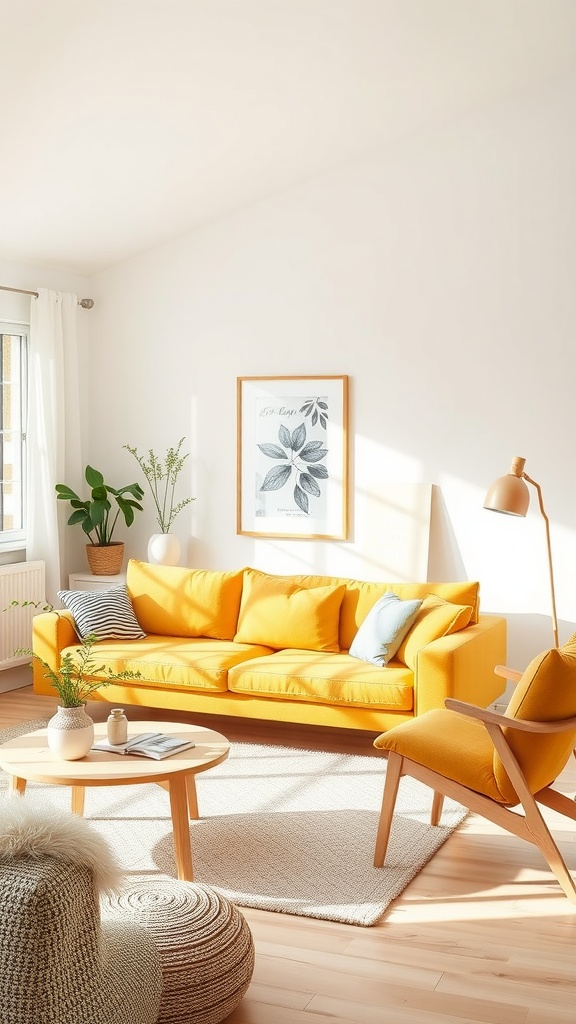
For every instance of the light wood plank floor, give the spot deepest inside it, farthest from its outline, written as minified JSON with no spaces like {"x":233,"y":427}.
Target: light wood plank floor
{"x":482,"y":934}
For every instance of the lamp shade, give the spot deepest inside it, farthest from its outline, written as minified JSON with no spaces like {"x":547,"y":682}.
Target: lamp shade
{"x":509,"y":494}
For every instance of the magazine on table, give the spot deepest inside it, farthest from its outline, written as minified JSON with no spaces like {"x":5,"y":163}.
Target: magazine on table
{"x":147,"y":744}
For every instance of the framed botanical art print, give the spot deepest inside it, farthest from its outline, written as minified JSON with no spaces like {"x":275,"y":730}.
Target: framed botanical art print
{"x":292,"y":476}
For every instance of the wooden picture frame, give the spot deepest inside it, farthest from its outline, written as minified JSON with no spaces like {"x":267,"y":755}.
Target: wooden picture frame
{"x":292,"y":459}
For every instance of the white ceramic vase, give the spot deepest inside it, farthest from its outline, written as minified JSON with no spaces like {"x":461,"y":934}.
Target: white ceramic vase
{"x":70,"y":733}
{"x":164,"y":549}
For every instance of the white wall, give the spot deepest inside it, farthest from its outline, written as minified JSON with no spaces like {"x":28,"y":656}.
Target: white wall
{"x":440,"y":277}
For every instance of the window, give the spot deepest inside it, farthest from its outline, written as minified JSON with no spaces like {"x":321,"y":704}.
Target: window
{"x":14,"y":350}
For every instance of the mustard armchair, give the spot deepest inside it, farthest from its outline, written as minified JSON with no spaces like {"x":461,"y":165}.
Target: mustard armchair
{"x":499,"y":766}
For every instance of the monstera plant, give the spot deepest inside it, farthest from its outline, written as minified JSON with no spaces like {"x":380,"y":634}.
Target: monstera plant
{"x":98,"y":516}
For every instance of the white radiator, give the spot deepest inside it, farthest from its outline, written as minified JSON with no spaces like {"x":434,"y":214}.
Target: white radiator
{"x":21,"y":581}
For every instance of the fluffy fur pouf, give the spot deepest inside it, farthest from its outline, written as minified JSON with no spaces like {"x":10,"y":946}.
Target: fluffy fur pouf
{"x":30,"y":827}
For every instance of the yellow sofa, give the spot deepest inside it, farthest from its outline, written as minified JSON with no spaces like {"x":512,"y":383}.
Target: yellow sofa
{"x":261,"y":646}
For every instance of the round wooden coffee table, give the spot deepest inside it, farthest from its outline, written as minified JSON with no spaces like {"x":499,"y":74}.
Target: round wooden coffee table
{"x":28,"y":759}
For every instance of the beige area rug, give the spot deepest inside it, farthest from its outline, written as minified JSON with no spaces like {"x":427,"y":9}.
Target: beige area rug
{"x":282,"y":829}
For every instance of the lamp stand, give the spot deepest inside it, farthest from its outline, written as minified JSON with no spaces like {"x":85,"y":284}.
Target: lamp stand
{"x":547,"y":523}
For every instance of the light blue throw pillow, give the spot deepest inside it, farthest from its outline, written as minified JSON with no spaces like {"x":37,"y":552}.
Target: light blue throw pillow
{"x":384,"y":629}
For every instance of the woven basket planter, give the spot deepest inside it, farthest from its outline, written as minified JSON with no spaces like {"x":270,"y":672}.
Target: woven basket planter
{"x":105,"y":559}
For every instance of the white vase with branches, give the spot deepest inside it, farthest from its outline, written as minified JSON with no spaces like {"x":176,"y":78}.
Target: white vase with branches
{"x":161,"y":474}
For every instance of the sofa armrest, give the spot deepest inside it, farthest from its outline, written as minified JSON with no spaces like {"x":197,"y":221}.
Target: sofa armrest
{"x":51,"y":633}
{"x":461,"y":666}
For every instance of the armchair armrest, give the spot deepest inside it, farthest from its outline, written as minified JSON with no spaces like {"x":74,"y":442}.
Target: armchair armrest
{"x":508,"y":673}
{"x":503,"y":721}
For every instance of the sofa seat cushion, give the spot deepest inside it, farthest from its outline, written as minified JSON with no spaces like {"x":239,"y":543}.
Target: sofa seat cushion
{"x":325,"y":679}
{"x":185,"y":662}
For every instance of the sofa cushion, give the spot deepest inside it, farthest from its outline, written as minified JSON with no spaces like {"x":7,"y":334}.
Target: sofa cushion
{"x":320,"y":678}
{"x":107,"y":615}
{"x":278,"y":613}
{"x":185,"y":663}
{"x":383,"y":629}
{"x":360,"y":596}
{"x":175,"y":601}
{"x":435,"y":618}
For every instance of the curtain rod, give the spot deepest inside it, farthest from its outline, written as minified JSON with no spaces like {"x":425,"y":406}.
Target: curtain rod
{"x":85,"y":303}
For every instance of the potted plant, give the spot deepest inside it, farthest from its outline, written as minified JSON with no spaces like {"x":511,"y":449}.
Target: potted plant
{"x":70,"y":731}
{"x":161,"y":474}
{"x":98,"y":517}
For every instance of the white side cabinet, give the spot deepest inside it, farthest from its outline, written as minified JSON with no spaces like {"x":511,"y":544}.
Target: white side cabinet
{"x":87,"y":581}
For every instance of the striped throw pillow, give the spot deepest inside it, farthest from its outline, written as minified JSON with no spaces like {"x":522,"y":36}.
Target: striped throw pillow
{"x":107,"y":614}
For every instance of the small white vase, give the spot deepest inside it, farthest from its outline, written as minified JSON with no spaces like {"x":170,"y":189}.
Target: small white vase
{"x":70,"y":733}
{"x":164,"y":549}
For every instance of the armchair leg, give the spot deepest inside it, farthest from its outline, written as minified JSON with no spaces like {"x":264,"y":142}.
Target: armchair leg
{"x":393,"y":776}
{"x":437,"y":805}
{"x":542,"y":837}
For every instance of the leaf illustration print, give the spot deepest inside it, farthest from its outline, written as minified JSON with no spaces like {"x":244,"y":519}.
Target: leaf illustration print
{"x":297,"y":457}
{"x":317,"y":409}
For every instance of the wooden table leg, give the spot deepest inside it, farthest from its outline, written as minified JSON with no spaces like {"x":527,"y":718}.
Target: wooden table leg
{"x":78,"y":794}
{"x":16,"y":785}
{"x":181,"y":829}
{"x":192,"y":796}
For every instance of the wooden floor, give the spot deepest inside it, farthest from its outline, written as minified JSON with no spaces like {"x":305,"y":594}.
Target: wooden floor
{"x":482,"y":934}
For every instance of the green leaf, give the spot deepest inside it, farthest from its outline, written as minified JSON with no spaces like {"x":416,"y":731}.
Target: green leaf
{"x":93,"y":477}
{"x":77,"y":517}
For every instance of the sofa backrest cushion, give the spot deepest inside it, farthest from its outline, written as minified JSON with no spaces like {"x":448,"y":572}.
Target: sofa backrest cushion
{"x":360,"y":597}
{"x":277,"y":612}
{"x":174,"y":601}
{"x":434,"y":619}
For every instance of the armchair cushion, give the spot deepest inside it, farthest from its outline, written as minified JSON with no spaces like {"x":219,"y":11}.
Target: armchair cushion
{"x":460,"y":748}
{"x":545,"y":693}
{"x":449,"y":743}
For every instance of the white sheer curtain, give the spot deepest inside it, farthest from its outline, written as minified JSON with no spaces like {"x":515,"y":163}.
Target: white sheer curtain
{"x":53,"y":431}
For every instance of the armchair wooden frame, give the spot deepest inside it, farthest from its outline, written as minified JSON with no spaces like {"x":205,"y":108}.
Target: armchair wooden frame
{"x":530,"y":825}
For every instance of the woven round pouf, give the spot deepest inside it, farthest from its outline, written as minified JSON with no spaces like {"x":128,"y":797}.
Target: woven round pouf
{"x":205,"y":945}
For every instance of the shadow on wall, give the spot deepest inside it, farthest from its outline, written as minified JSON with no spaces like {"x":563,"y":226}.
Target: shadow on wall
{"x":528,"y":636}
{"x":444,"y":559}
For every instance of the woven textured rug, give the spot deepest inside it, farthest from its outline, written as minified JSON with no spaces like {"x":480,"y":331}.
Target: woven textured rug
{"x":282,"y":829}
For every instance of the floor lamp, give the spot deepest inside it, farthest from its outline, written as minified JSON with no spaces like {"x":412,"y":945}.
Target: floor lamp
{"x":510,"y":495}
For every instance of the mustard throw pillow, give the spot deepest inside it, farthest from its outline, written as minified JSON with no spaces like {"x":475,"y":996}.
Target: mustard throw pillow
{"x":174,"y":601}
{"x":278,"y":613}
{"x":381,"y":633}
{"x":435,"y":618}
{"x":545,"y":693}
